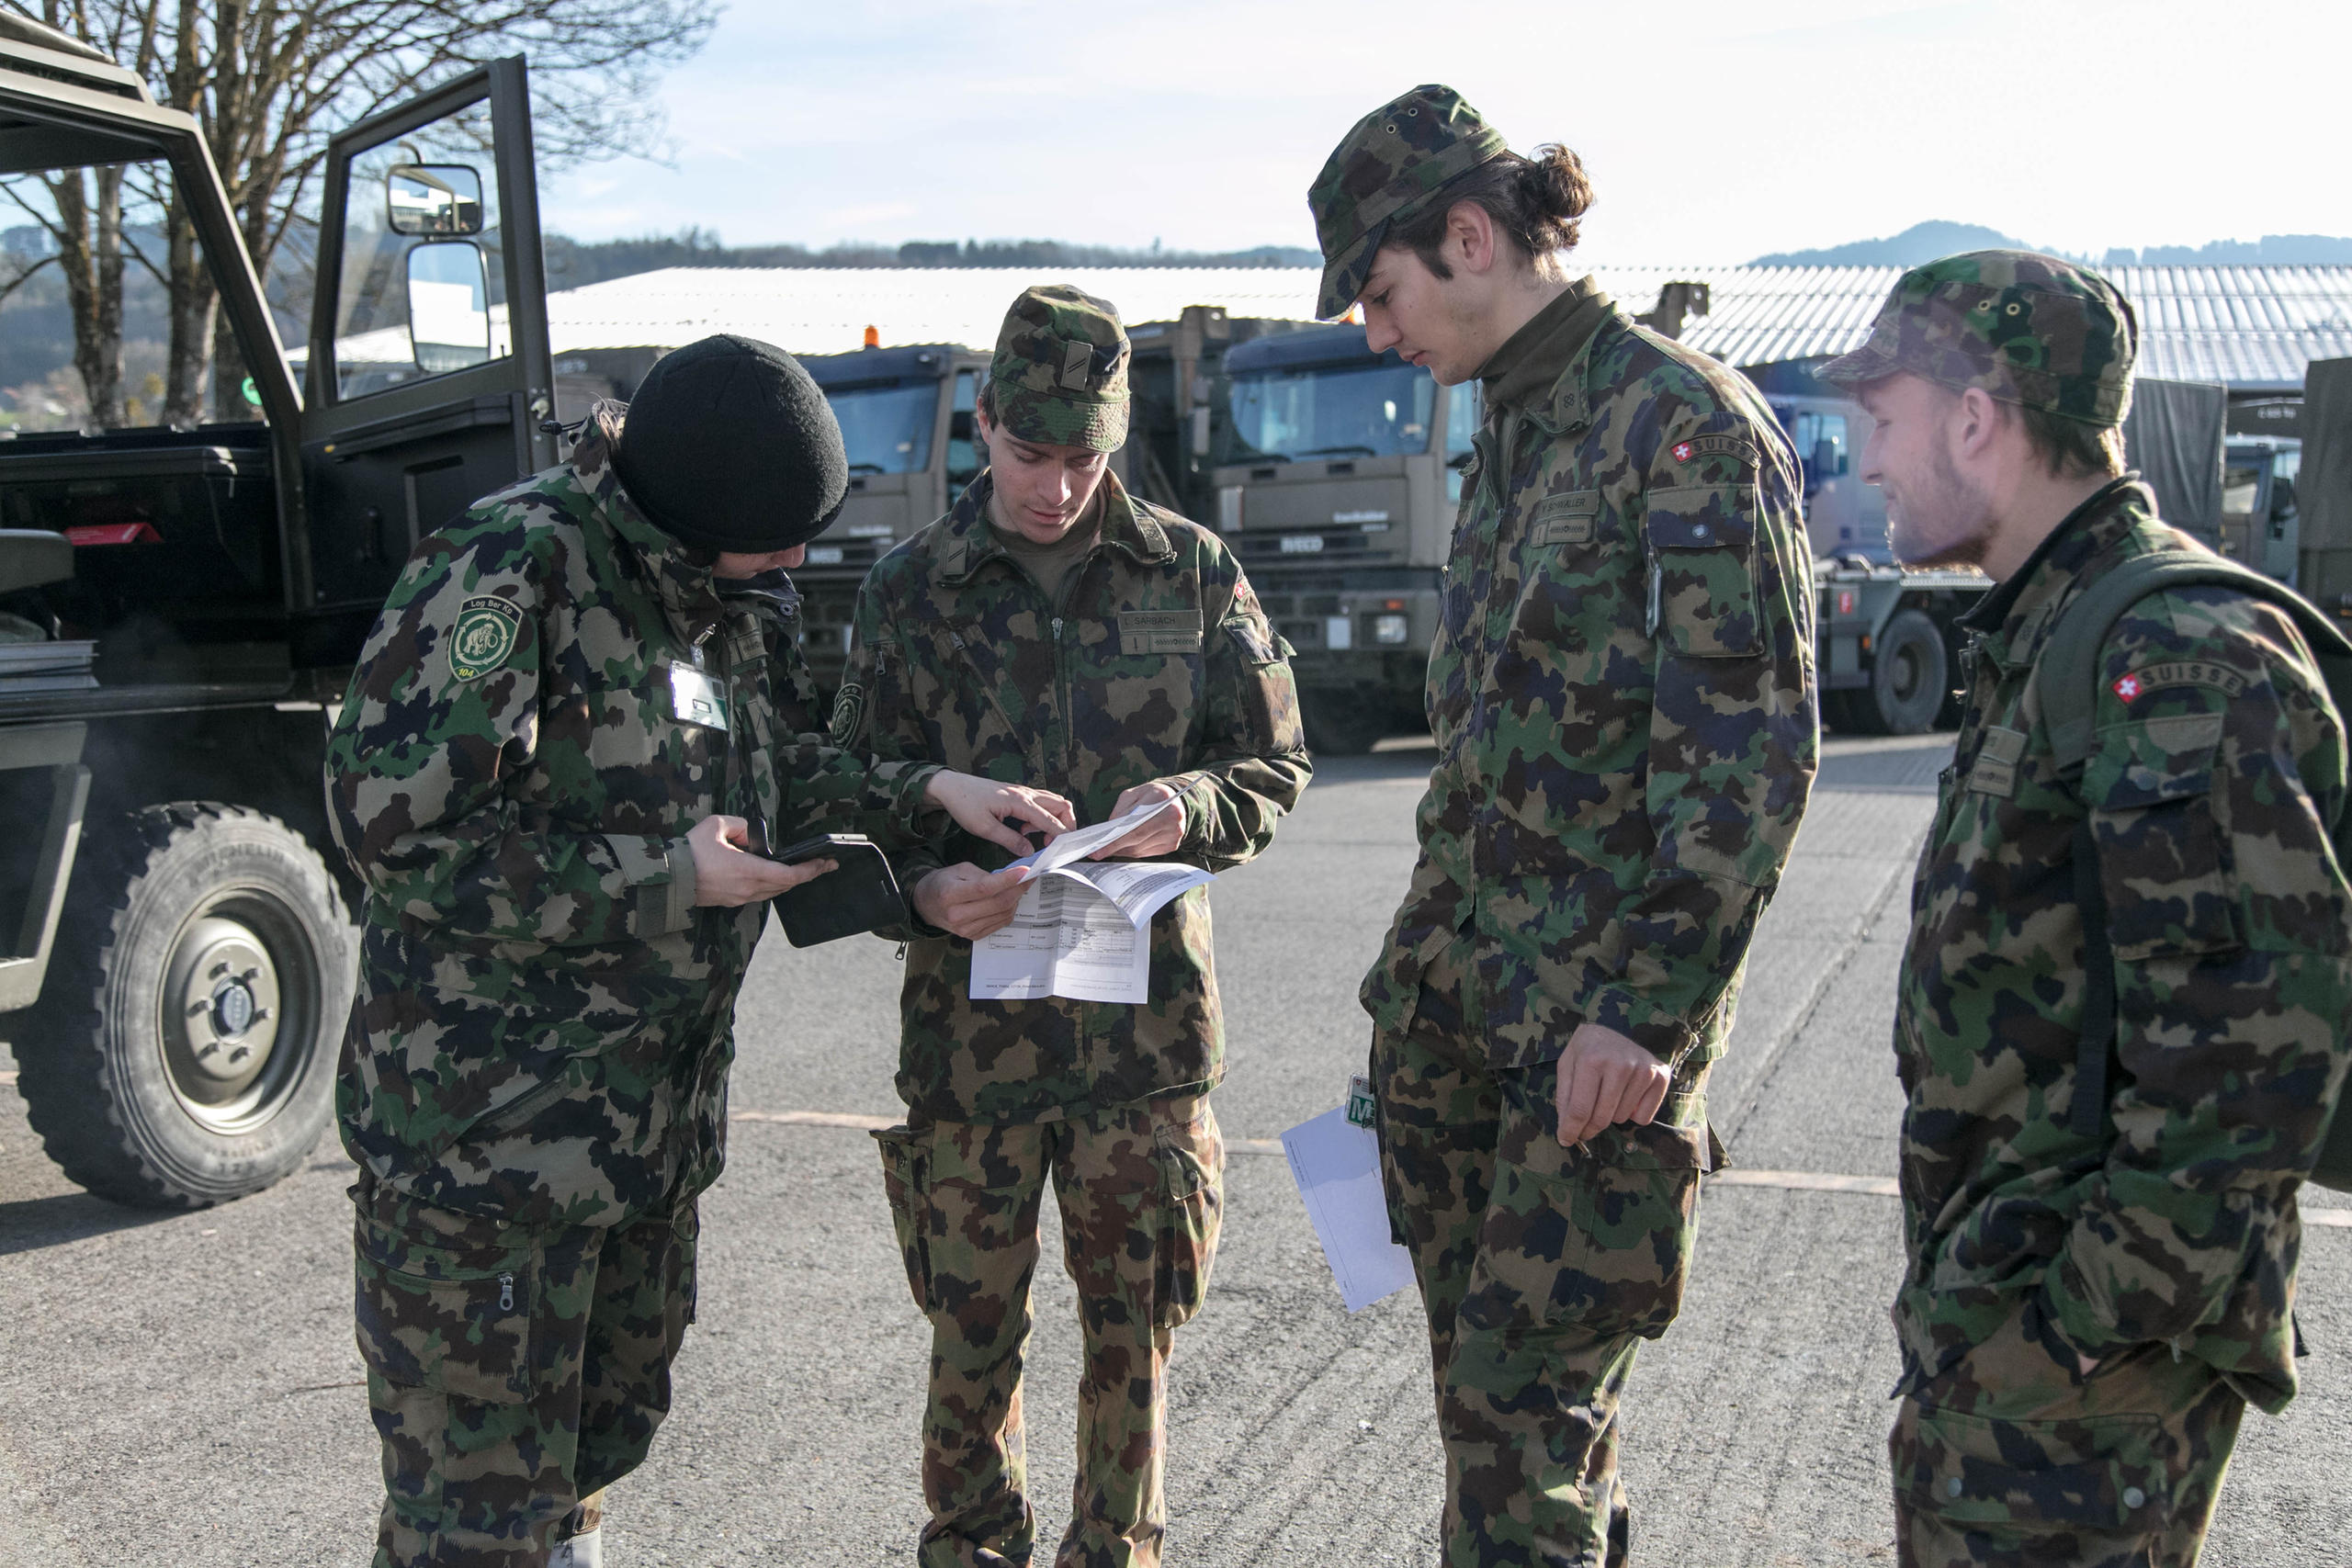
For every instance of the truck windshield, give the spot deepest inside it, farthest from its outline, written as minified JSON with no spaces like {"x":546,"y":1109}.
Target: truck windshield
{"x":1354,"y":411}
{"x":887,"y":426}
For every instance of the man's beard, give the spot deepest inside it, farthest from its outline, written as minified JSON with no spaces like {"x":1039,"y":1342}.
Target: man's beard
{"x":1955,"y":529}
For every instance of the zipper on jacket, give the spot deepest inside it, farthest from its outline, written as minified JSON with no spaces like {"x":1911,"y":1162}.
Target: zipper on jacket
{"x":506,"y":1293}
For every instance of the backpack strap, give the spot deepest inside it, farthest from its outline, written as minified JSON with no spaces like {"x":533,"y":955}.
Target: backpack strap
{"x":2063,"y":688}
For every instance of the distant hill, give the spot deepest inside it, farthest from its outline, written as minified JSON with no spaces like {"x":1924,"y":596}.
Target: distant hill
{"x":1920,"y":243}
{"x":2271,"y":250}
{"x":571,"y":264}
{"x":1926,"y":242}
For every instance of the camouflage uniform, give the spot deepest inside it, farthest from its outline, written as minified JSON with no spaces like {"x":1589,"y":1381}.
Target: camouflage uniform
{"x":534,"y":1084}
{"x":2163,"y":1248}
{"x":1155,"y":663}
{"x":1622,"y":695}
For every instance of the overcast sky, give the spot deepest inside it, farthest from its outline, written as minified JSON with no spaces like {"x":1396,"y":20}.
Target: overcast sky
{"x":1714,"y":130}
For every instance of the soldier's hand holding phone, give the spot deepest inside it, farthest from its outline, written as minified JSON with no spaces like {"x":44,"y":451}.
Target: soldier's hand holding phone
{"x":730,"y":873}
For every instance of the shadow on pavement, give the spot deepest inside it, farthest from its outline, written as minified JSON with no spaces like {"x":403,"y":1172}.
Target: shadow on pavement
{"x":31,"y":1223}
{"x":1403,"y":757}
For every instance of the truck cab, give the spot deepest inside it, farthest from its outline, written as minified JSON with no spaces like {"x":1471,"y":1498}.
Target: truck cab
{"x":906,"y":419}
{"x":180,"y":608}
{"x":1337,"y":474}
{"x":2261,"y":523}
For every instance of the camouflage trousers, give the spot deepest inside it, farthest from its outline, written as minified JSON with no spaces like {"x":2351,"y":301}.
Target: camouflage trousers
{"x":512,"y":1370}
{"x":2013,"y":1459}
{"x":1140,"y":1190}
{"x":1542,"y":1269}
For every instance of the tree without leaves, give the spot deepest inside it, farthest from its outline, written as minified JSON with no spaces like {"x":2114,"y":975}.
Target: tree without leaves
{"x":268,"y":81}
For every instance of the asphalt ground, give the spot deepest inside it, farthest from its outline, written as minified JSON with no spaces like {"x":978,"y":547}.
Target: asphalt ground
{"x":184,"y":1389}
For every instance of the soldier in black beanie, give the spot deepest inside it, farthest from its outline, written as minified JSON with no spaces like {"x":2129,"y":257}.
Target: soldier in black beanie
{"x":581,"y":707}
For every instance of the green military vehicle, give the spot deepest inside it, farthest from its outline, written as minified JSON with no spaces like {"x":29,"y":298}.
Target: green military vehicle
{"x":906,"y":419}
{"x":1338,"y":472}
{"x":180,"y":608}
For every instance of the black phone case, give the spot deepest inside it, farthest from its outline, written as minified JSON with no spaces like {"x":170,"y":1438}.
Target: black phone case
{"x":857,"y":895}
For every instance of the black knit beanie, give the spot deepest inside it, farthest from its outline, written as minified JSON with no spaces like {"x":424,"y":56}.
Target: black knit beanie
{"x":729,"y":445}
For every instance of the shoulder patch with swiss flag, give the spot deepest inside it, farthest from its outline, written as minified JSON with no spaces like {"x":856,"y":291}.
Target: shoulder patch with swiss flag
{"x":2127,"y":687}
{"x":1738,"y":448}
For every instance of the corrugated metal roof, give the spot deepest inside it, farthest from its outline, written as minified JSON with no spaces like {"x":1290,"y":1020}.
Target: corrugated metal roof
{"x":2252,"y":327}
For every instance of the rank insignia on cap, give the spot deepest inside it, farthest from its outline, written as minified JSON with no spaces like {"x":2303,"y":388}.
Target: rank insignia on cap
{"x":1682,"y":452}
{"x":2127,"y":687}
{"x":484,"y":636}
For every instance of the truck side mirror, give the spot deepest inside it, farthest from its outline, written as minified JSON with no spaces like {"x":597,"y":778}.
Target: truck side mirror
{"x":1827,"y":461}
{"x":433,"y":198}
{"x":448,"y":305}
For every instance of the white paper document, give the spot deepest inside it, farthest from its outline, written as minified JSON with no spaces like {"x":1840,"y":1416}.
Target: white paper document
{"x":1337,"y":1166}
{"x":1083,"y":929}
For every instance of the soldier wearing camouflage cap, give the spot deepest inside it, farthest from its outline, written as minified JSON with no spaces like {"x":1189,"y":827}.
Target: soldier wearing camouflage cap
{"x":1622,"y":695}
{"x":2121,"y":1021}
{"x":1055,"y":628}
{"x":581,"y":705}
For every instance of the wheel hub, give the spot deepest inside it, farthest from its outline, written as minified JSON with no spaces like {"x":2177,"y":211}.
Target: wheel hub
{"x":221,"y":1010}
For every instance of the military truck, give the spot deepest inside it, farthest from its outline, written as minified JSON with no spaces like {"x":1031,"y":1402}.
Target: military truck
{"x":180,"y":608}
{"x":1337,"y":473}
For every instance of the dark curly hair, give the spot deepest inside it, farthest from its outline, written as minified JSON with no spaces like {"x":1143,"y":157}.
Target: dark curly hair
{"x":1534,"y":202}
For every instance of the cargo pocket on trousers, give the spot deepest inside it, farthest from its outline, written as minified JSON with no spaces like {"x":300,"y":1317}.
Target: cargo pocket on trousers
{"x":2100,"y":1474}
{"x":905,"y":1173}
{"x":454,"y":1320}
{"x":1191,"y":1211}
{"x":1598,"y":1238}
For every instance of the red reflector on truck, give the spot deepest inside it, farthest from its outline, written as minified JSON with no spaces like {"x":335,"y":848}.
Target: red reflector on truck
{"x":114,"y":533}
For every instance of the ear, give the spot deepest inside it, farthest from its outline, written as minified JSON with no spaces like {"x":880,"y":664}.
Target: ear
{"x":982,"y":423}
{"x":1977,"y":420}
{"x":1470,"y":235}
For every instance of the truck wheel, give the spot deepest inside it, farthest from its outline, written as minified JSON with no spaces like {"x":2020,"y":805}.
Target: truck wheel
{"x":1910,"y":679}
{"x":1341,"y":724}
{"x":183,"y":1047}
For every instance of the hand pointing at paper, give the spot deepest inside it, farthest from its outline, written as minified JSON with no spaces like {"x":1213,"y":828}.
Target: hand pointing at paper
{"x":1163,"y":835}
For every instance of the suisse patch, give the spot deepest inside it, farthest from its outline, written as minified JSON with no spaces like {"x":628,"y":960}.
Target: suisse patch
{"x":488,"y":628}
{"x":849,"y":713}
{"x":2179,"y":672}
{"x":1160,"y":631}
{"x":1700,"y":446}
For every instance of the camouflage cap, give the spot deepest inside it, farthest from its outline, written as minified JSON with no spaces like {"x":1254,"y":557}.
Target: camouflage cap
{"x":1386,"y":169}
{"x":2029,"y":330}
{"x":1059,"y":376}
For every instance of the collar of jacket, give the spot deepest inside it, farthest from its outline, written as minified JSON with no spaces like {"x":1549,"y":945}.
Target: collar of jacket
{"x":687,"y":588}
{"x":1540,"y":369}
{"x":2016,"y":615}
{"x":969,"y":544}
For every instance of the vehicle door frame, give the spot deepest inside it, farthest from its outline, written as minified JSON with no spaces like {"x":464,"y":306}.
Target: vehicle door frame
{"x":413,"y":413}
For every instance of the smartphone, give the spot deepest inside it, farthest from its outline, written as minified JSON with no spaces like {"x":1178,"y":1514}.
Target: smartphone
{"x":825,"y":846}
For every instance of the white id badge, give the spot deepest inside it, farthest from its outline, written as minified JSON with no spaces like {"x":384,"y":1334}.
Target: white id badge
{"x":696,"y":698}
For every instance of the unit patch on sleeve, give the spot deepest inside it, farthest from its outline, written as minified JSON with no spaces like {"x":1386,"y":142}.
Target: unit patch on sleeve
{"x":2179,"y":672}
{"x":484,"y":637}
{"x":849,"y":713}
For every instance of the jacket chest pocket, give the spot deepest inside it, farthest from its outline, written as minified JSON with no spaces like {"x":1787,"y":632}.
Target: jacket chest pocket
{"x":1138,"y":679}
{"x":1702,"y":569}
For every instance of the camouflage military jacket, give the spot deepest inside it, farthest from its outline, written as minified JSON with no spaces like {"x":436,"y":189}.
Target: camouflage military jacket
{"x":1156,"y":663}
{"x":1622,"y":695}
{"x":542,"y":1030}
{"x":2218,"y":771}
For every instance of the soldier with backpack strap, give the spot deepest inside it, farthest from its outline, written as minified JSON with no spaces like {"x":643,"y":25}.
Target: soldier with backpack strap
{"x":2122,"y":1019}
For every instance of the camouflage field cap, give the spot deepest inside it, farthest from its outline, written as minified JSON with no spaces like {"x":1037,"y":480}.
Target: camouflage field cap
{"x":1386,"y":169}
{"x":2029,"y":330}
{"x":1059,"y":376}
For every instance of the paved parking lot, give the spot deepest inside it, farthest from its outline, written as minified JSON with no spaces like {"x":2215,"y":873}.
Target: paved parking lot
{"x":183,"y":1388}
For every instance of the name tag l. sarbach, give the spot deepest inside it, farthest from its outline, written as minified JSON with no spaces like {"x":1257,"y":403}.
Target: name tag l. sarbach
{"x":696,"y":698}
